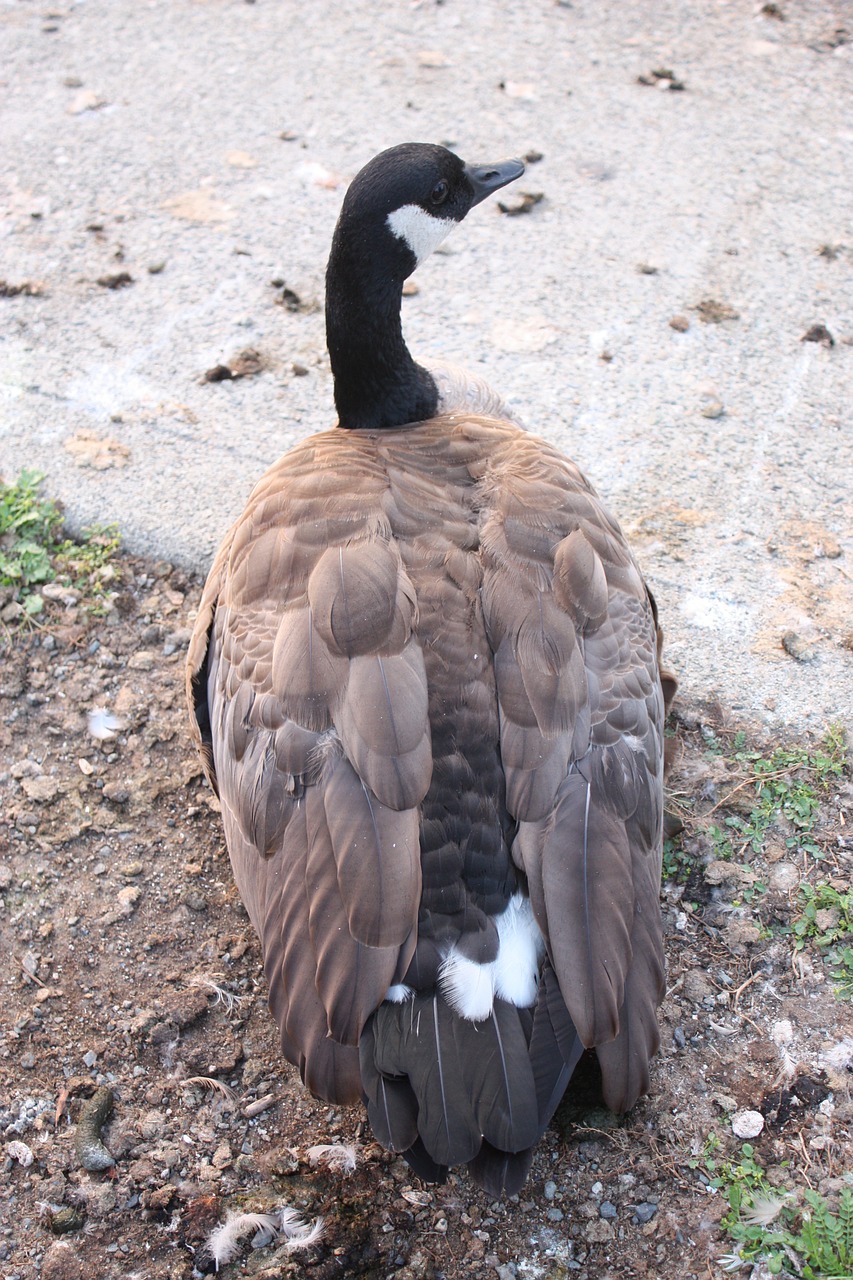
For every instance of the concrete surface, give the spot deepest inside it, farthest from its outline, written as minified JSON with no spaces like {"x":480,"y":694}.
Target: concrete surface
{"x":146,"y":138}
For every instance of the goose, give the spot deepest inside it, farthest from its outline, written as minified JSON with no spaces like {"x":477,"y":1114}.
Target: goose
{"x":425,"y":682}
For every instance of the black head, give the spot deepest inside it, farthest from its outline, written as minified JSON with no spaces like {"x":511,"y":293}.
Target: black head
{"x":418,"y":192}
{"x":398,"y":208}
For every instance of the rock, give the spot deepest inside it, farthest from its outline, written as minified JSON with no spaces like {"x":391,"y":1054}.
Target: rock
{"x":61,"y":1263}
{"x":128,"y":897}
{"x":697,"y":986}
{"x":549,"y":1190}
{"x":679,"y":323}
{"x":607,"y":1209}
{"x":598,"y":1232}
{"x":117,"y":792}
{"x":142,"y":661}
{"x":747,"y":1124}
{"x":645,"y":1212}
{"x":798,"y":647}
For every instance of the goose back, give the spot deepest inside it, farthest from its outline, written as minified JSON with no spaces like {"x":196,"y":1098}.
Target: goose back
{"x":426,"y":686}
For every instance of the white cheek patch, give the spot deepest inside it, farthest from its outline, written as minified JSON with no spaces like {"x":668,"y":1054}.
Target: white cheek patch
{"x":421,"y":231}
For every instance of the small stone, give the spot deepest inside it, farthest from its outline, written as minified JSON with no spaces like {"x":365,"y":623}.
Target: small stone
{"x":116,"y":792}
{"x":697,"y":986}
{"x":645,"y":1212}
{"x":679,"y":323}
{"x":141,"y":661}
{"x":800,"y":649}
{"x":21,"y":1152}
{"x":712,"y":408}
{"x":679,"y":1038}
{"x":128,"y":898}
{"x":747,"y":1124}
{"x":607,"y":1209}
{"x":554,"y":1215}
{"x":598,"y":1232}
{"x":549,"y":1190}
{"x":90,"y":1058}
{"x":176,"y":640}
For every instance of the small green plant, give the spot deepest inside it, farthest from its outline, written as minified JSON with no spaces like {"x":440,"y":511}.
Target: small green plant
{"x":791,"y":1239}
{"x":788,"y":783}
{"x":827,"y":921}
{"x":677,"y":862}
{"x":33,"y":550}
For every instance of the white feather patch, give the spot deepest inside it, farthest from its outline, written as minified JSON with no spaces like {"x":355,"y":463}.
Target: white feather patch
{"x":421,"y":231}
{"x":399,"y":993}
{"x":521,"y":950}
{"x":467,"y":987}
{"x":470,"y":988}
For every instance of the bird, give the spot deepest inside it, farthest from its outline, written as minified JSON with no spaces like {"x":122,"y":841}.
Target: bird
{"x":425,"y":681}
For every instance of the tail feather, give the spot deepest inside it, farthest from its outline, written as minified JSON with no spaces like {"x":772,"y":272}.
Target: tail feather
{"x":444,"y":1090}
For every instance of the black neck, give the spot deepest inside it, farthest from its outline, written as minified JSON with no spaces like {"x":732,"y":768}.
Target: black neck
{"x":377,"y":383}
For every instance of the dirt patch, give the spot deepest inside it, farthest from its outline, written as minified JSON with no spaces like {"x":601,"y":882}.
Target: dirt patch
{"x":131,"y":966}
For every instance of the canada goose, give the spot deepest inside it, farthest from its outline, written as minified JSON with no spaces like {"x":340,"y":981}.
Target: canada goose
{"x":425,"y":684}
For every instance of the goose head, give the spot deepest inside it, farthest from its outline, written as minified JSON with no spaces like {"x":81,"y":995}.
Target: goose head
{"x":397,"y":211}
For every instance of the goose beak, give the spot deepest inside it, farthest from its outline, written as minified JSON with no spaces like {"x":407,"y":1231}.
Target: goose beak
{"x":486,"y":178}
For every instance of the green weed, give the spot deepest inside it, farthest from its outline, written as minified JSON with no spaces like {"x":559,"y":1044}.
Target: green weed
{"x":790,"y":1238}
{"x":827,"y":921}
{"x":33,"y":550}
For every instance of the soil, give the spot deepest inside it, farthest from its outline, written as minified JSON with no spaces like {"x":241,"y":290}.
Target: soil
{"x":131,"y":964}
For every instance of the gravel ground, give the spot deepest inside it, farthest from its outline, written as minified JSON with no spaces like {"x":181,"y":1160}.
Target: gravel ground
{"x":132,"y":966}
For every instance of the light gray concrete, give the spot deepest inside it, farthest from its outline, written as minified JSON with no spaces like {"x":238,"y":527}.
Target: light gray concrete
{"x":161,"y":122}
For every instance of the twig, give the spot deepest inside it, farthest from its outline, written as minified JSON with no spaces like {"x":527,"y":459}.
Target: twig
{"x":753,"y":977}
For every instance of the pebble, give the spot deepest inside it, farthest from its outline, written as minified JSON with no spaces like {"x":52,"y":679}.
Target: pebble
{"x":607,"y":1209}
{"x":645,"y":1212}
{"x":550,"y":1190}
{"x":128,"y":898}
{"x":679,"y":1038}
{"x":747,"y":1124}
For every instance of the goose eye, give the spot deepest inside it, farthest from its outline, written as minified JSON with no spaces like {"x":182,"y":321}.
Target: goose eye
{"x":439,"y":192}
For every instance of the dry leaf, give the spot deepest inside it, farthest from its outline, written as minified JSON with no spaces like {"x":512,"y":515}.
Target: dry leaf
{"x":85,"y":100}
{"x":432,"y":58}
{"x":199,"y":206}
{"x":90,"y":450}
{"x":525,"y":89}
{"x":240,"y":160}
